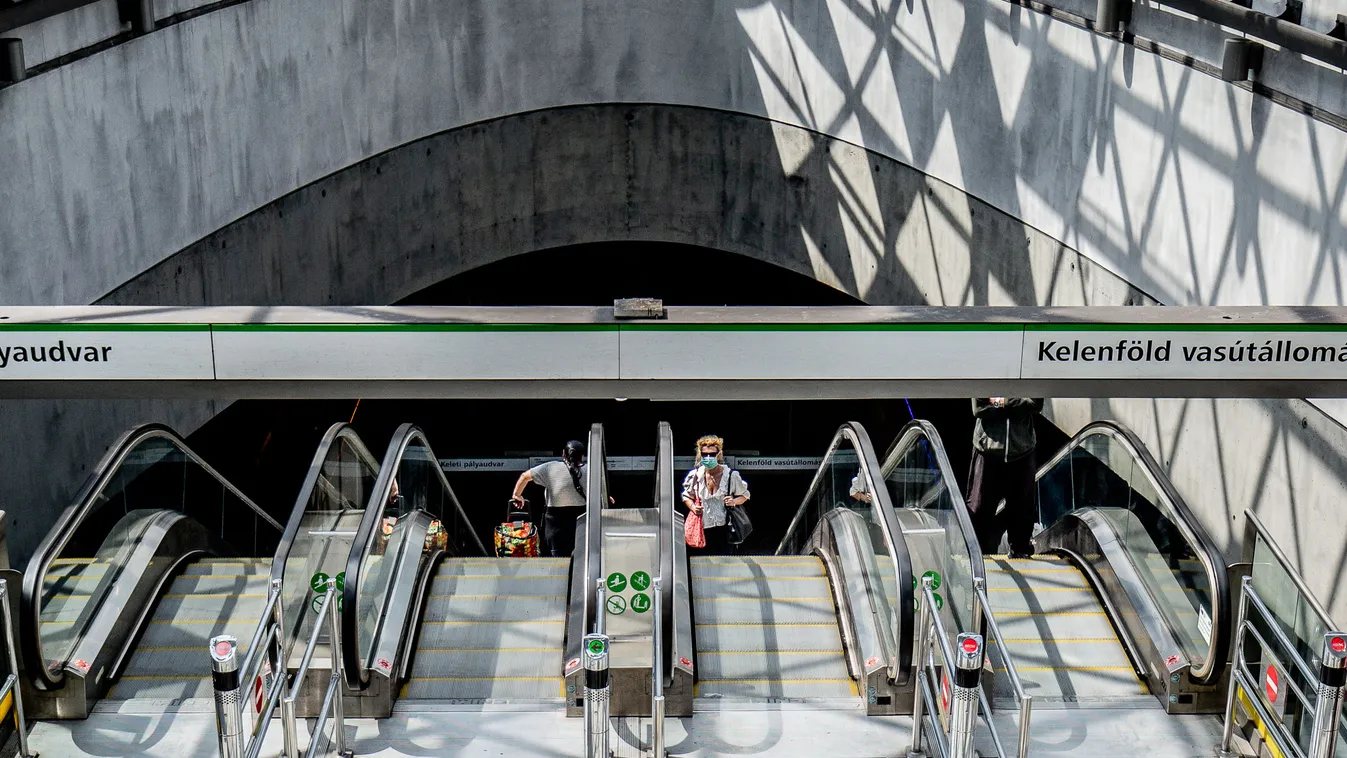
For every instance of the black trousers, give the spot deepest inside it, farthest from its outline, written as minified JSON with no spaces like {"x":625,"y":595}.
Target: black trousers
{"x":559,"y":530}
{"x":991,"y":478}
{"x":717,"y":542}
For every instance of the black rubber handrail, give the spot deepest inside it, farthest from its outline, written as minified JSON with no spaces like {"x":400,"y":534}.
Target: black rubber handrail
{"x":69,"y":522}
{"x":1213,"y":563}
{"x":920,"y":430}
{"x":338,"y":432}
{"x":882,"y":505}
{"x":355,"y":670}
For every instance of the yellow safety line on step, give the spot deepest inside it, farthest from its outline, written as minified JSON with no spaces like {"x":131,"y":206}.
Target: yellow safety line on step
{"x":1050,"y":613}
{"x":696,"y":689}
{"x":497,"y":597}
{"x":443,"y":577}
{"x":1036,"y":590}
{"x":483,"y":678}
{"x":182,"y":649}
{"x":1035,"y":640}
{"x":204,"y":621}
{"x":1071,"y":668}
{"x":761,"y":625}
{"x":814,"y":578}
{"x":835,"y":651}
{"x":182,"y":595}
{"x":762,"y":599}
{"x":498,"y":621}
{"x":487,"y":650}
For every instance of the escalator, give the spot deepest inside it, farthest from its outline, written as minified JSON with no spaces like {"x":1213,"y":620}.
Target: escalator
{"x":1124,"y":602}
{"x":822,"y":619}
{"x":428,"y":615}
{"x":157,"y":555}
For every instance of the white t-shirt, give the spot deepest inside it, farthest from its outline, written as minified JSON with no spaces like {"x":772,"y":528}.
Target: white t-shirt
{"x":713,"y":503}
{"x":556,"y":480}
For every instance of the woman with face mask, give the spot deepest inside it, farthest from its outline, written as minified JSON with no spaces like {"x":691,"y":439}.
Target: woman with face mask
{"x":709,"y":489}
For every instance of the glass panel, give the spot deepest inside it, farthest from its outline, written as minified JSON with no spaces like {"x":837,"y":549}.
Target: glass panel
{"x":1302,"y":625}
{"x":934,"y":533}
{"x":417,"y":485}
{"x":155,"y":475}
{"x":1102,"y":473}
{"x":842,"y":485}
{"x":332,"y":513}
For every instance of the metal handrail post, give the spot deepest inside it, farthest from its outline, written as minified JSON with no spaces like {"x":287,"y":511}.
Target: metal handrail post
{"x":1026,"y":700}
{"x":337,"y":685}
{"x":288,"y":718}
{"x":657,"y":681}
{"x":923,"y":642}
{"x":20,"y":725}
{"x":1241,"y":617}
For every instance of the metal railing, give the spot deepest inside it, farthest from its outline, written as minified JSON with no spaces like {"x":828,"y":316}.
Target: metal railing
{"x":657,"y":680}
{"x":10,"y":689}
{"x":265,"y":658}
{"x":1023,"y":699}
{"x":961,"y":702}
{"x":333,"y":699}
{"x":1324,"y":702}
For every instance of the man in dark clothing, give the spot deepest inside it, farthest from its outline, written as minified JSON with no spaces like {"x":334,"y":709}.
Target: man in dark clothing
{"x":1003,"y":467}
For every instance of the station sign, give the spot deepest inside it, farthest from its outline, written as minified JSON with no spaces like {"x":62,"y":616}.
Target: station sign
{"x":370,"y":351}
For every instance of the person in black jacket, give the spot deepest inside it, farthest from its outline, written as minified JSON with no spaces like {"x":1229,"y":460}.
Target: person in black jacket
{"x":1003,"y":467}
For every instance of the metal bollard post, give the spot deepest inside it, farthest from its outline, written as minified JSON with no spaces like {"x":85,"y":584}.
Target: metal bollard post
{"x":224,"y":676}
{"x":1328,"y":700}
{"x":597,"y":692}
{"x":964,"y":695}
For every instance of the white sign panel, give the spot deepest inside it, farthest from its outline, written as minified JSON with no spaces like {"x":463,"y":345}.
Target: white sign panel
{"x":415,"y":352}
{"x":849,"y":351}
{"x":161,"y":352}
{"x":1182,"y":354}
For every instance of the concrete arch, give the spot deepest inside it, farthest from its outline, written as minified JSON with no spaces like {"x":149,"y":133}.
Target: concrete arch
{"x":405,"y":219}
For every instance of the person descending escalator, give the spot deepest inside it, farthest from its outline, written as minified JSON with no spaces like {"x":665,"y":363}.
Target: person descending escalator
{"x":1003,"y":466}
{"x":712,"y":490}
{"x":564,"y":484}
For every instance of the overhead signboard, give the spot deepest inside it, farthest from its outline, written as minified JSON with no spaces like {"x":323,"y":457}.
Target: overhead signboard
{"x":796,"y":359}
{"x":100,"y":351}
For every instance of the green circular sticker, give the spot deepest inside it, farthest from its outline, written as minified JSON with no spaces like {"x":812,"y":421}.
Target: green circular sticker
{"x":640,"y":602}
{"x":617,"y":582}
{"x":317,"y":604}
{"x":341,"y":581}
{"x":939,"y":602}
{"x":596,"y":647}
{"x":640,"y":581}
{"x":934,"y":577}
{"x":617,"y":605}
{"x":319,"y":582}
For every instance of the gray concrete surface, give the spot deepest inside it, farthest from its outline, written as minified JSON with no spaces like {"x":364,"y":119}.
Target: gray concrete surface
{"x":1193,"y":191}
{"x":770,"y":732}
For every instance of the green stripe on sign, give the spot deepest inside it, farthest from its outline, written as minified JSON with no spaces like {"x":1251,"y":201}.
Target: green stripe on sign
{"x":358,"y":328}
{"x":1230,"y":327}
{"x":104,"y":327}
{"x":900,"y":327}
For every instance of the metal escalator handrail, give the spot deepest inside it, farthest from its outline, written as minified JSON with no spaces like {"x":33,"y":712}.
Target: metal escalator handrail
{"x":882,"y":506}
{"x":1218,"y":648}
{"x":1256,"y":524}
{"x":357,"y":674}
{"x":596,"y":499}
{"x":68,"y":523}
{"x":911,"y":432}
{"x":664,"y":500}
{"x":338,"y":432}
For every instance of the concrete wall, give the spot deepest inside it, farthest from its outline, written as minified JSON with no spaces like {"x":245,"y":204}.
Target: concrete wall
{"x":1190,"y":189}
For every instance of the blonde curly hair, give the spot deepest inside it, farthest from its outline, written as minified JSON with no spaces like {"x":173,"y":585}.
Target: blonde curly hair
{"x":711,"y":439}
